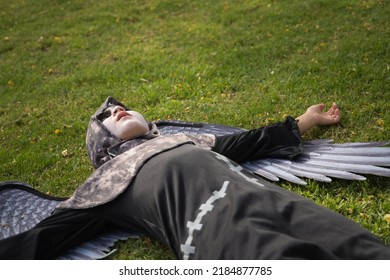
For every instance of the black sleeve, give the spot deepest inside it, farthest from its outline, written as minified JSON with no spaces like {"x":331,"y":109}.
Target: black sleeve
{"x":281,"y":140}
{"x":63,"y":230}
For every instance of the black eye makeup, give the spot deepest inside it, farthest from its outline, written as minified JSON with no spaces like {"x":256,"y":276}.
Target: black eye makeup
{"x":104,"y":115}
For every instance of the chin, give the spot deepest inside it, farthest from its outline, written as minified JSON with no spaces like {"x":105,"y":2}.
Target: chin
{"x":133,"y":135}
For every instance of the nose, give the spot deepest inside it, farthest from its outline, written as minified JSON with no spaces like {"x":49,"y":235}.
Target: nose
{"x":117,"y":109}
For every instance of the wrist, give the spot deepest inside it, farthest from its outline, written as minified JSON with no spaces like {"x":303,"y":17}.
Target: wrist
{"x":306,"y":122}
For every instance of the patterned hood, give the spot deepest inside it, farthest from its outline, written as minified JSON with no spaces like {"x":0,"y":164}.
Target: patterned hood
{"x":117,"y":162}
{"x":102,"y":145}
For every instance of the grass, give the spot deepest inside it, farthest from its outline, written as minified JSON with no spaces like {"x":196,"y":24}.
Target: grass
{"x":240,"y":63}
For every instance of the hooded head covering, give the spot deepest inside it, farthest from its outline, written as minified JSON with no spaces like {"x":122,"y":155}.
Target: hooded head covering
{"x":117,"y":162}
{"x":102,"y":145}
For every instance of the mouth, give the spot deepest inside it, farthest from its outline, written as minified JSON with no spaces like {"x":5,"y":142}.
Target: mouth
{"x":121,"y":115}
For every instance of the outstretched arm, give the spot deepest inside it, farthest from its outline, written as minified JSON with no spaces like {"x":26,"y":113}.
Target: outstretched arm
{"x":280,"y":140}
{"x":315,"y":115}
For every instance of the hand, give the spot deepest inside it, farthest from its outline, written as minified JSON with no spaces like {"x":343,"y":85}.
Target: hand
{"x":314,"y":115}
{"x":332,"y":116}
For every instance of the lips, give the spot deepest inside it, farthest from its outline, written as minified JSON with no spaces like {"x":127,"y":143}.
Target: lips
{"x":121,"y":115}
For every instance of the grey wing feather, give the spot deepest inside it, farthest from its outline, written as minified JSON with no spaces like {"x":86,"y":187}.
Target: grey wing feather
{"x":98,"y":248}
{"x":175,"y":127}
{"x":259,"y":167}
{"x":267,"y":169}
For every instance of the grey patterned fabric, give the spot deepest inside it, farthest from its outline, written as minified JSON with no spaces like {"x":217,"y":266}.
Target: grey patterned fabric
{"x":118,"y":161}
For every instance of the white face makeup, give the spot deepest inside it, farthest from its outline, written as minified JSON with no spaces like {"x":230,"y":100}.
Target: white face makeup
{"x":125,"y":124}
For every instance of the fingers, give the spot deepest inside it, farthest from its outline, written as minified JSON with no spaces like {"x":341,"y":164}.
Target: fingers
{"x":334,"y":112}
{"x":334,"y":108}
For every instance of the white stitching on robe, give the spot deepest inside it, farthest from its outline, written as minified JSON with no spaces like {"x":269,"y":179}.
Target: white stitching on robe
{"x":187,"y":248}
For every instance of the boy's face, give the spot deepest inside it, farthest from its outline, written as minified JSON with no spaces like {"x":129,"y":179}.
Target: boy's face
{"x":124,"y":124}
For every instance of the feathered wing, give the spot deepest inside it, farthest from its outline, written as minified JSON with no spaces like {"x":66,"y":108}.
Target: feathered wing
{"x":22,"y":207}
{"x":322,"y":160}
